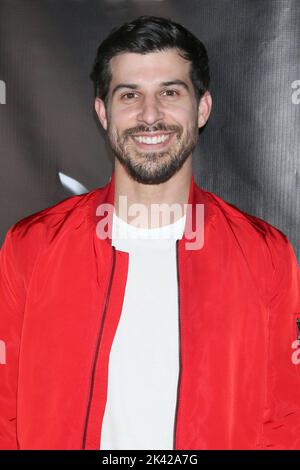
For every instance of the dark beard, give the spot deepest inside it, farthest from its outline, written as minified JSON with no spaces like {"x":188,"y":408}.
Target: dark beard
{"x":154,"y":167}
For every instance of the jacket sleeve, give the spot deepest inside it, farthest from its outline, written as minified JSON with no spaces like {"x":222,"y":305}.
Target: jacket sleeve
{"x":12,"y":301}
{"x":281,"y":424}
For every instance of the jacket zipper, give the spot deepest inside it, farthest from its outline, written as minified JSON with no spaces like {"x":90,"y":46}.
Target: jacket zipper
{"x":97,"y":350}
{"x":298,"y":328}
{"x":179,"y":349}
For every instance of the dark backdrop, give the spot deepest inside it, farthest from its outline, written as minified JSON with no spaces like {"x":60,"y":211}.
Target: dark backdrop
{"x":248,"y":153}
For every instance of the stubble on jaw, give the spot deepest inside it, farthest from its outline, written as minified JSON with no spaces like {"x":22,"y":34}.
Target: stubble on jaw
{"x":153,"y":167}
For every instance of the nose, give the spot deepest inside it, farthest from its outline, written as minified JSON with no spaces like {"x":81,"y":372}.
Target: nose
{"x":150,"y":111}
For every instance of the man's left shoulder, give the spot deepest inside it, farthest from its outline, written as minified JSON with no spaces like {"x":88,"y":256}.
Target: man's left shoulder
{"x":243,"y":224}
{"x":266,"y":250}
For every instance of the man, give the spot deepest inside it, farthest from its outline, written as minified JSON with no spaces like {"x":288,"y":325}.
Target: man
{"x":182,"y":333}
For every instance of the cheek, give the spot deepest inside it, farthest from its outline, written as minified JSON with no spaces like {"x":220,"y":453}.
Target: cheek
{"x":122,"y":120}
{"x":183,"y":114}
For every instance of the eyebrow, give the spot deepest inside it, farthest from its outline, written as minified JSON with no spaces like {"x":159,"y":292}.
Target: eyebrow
{"x":134,"y":86}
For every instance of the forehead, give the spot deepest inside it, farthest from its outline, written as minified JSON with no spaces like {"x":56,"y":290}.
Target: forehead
{"x":151,"y":68}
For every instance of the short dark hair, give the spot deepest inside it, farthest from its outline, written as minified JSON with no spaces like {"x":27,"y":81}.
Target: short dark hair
{"x":150,"y":34}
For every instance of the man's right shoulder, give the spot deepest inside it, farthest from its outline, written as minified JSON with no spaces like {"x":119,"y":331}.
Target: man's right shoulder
{"x":27,"y":237}
{"x":52,"y":215}
{"x":37,"y":229}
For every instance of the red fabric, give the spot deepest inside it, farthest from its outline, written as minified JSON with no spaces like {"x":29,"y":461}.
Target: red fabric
{"x":239,"y":299}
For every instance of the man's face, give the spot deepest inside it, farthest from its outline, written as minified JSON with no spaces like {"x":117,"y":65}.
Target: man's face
{"x":152,"y":115}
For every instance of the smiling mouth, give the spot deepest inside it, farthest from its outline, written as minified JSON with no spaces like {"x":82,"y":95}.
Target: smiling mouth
{"x":157,"y":140}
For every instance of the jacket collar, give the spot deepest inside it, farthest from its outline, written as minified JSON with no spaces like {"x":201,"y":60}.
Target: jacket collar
{"x":200,"y":212}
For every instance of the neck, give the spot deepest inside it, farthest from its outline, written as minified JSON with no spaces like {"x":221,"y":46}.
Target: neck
{"x":171,"y":196}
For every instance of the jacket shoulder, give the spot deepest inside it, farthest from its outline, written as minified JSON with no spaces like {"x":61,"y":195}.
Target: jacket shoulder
{"x":28,"y":236}
{"x":245,"y":222}
{"x":53,"y":214}
{"x":265,"y":249}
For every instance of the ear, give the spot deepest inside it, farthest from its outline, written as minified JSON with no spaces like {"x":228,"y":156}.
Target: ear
{"x":204,"y":108}
{"x":101,"y":112}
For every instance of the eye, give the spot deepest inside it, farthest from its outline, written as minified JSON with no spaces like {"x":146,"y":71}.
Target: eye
{"x":171,"y":92}
{"x":128,"y":96}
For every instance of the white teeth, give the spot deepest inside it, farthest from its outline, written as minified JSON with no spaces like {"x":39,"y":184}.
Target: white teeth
{"x":152,"y":140}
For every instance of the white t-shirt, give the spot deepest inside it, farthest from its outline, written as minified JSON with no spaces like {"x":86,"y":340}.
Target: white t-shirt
{"x":144,"y":358}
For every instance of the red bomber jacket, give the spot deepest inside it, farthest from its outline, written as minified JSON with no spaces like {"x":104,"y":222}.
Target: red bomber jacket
{"x":61,"y":294}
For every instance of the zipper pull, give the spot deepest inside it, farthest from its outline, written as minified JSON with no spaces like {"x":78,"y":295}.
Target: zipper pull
{"x":298,"y":329}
